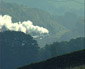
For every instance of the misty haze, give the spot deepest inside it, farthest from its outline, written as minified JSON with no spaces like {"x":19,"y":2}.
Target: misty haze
{"x":42,"y":34}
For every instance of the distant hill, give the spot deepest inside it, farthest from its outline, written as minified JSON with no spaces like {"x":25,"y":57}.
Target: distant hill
{"x":61,"y":27}
{"x":58,"y":7}
{"x":68,"y":61}
{"x":37,"y":16}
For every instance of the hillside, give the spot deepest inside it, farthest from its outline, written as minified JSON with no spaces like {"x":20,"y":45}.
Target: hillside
{"x":19,"y":49}
{"x":49,"y":28}
{"x":37,"y":16}
{"x":67,"y":61}
{"x":63,"y":47}
{"x":58,"y":7}
{"x":61,"y":27}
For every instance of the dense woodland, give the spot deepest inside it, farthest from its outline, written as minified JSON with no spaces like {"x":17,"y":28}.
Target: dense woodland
{"x":19,"y":49}
{"x":59,"y":48}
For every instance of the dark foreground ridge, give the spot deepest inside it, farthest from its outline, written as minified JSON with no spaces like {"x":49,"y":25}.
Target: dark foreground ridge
{"x":74,"y":59}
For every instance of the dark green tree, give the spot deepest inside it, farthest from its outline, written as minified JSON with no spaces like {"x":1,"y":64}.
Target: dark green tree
{"x":17,"y":49}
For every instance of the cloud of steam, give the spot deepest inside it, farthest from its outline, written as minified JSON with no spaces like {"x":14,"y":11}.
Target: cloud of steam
{"x":26,"y":26}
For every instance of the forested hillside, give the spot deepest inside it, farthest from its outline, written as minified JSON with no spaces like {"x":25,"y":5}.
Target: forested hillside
{"x":68,"y":61}
{"x":63,"y":47}
{"x":18,"y":49}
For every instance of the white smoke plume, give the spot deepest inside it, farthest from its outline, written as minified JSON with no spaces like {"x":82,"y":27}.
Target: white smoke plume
{"x":26,"y":26}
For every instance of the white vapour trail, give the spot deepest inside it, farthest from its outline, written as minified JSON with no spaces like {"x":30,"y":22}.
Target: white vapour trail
{"x":26,"y":26}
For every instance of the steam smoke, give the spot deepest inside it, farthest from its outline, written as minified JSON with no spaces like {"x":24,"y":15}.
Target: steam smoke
{"x":27,"y":26}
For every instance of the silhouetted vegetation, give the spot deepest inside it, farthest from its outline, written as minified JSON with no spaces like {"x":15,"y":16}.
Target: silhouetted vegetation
{"x":59,"y":48}
{"x":17,"y":49}
{"x":67,"y":61}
